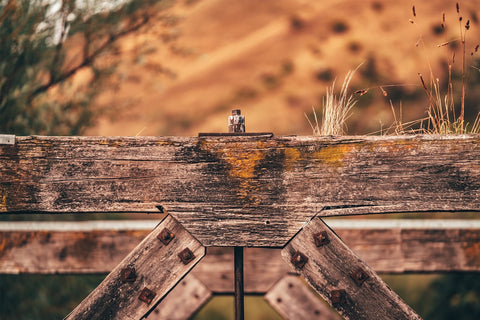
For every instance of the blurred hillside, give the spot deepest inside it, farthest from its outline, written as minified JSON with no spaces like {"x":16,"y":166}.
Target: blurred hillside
{"x":195,"y":60}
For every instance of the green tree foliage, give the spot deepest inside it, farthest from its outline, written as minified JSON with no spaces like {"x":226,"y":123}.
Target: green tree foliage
{"x":43,"y":297}
{"x":43,"y":46}
{"x":456,"y":296}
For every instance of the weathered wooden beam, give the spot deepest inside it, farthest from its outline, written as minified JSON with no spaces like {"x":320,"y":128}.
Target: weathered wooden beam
{"x":183,"y":301}
{"x":144,"y":277}
{"x":291,"y":298}
{"x":341,"y":277}
{"x":68,"y":247}
{"x":254,"y":191}
{"x":98,"y":246}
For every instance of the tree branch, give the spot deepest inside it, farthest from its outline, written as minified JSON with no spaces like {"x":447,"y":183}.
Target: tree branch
{"x":88,"y":60}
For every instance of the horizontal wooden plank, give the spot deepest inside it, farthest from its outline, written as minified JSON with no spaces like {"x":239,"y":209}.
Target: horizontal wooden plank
{"x":139,"y":282}
{"x":98,"y":246}
{"x":254,"y":191}
{"x":293,"y":300}
{"x":341,"y":277}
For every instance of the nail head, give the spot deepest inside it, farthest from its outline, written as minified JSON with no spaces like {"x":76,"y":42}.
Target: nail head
{"x":186,"y":255}
{"x":165,"y":236}
{"x":128,"y":274}
{"x":299,"y":260}
{"x":321,"y":239}
{"x":147,"y":295}
{"x":338,"y":296}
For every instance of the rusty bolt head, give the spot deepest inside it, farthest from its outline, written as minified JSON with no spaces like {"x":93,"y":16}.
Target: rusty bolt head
{"x":165,"y":236}
{"x":321,"y":239}
{"x":359,"y":276}
{"x":299,"y":260}
{"x":338,"y":296}
{"x":147,"y":295}
{"x":128,"y":274}
{"x":186,"y":255}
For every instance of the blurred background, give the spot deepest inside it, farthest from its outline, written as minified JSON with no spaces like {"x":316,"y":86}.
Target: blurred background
{"x":166,"y":67}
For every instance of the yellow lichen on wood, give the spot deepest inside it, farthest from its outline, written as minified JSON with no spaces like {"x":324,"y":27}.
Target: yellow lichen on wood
{"x":242,"y":162}
{"x":397,"y":146}
{"x":164,"y":143}
{"x":3,"y":199}
{"x":334,"y":155}
{"x":292,"y":155}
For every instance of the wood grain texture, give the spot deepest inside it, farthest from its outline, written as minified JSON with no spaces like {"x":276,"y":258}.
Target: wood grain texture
{"x":158,"y":268}
{"x":293,"y":300}
{"x":183,"y":301}
{"x":98,"y":246}
{"x":241,"y":191}
{"x":333,"y":267}
{"x":66,"y":247}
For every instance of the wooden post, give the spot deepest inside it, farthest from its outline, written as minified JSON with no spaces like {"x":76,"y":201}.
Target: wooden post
{"x":341,"y":277}
{"x":144,"y":277}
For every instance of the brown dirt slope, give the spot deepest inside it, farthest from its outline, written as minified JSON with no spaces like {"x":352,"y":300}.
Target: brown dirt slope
{"x":196,"y":60}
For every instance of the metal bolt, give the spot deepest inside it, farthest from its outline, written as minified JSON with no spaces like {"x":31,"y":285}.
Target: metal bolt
{"x":147,"y":295}
{"x":128,"y":274}
{"x":359,"y":276}
{"x":236,"y":122}
{"x":299,"y":260}
{"x":338,"y":296}
{"x":321,"y":239}
{"x":165,"y":236}
{"x":186,"y":255}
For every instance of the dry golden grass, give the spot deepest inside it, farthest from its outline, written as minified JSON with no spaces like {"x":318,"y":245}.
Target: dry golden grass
{"x":442,"y":117}
{"x":336,"y":109}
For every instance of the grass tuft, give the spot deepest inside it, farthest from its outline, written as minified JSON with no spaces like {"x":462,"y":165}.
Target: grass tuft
{"x":441,"y":111}
{"x":336,"y":109}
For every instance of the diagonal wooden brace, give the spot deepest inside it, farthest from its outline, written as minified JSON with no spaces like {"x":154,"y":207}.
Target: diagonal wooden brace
{"x":293,"y":299}
{"x":145,"y":276}
{"x":341,"y":277}
{"x":187,"y":298}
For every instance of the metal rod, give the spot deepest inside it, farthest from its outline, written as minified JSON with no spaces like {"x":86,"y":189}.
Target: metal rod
{"x":236,"y":124}
{"x":239,"y":292}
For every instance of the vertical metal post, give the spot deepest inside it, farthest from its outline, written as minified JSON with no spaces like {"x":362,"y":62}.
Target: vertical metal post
{"x":239,"y":293}
{"x":236,"y":123}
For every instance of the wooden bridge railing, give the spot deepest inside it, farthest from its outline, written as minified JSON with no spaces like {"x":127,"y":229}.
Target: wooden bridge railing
{"x":254,"y":191}
{"x":388,"y":246}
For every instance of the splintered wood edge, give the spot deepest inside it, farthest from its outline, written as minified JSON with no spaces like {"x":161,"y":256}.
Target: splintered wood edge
{"x":342,"y":279}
